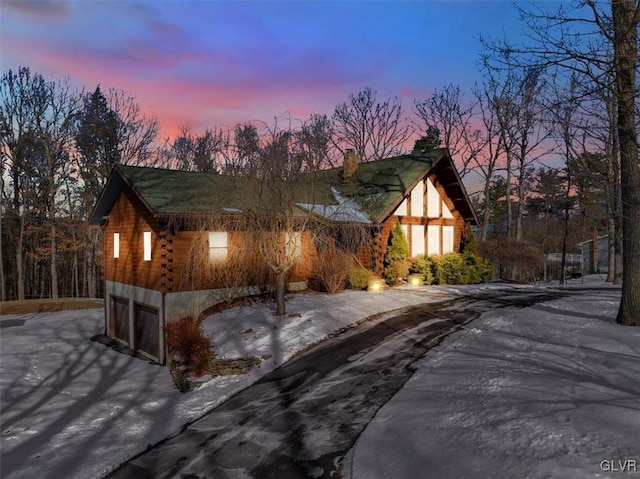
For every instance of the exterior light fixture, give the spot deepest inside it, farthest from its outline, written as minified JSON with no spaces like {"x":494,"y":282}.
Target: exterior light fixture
{"x":415,"y":279}
{"x":375,"y":285}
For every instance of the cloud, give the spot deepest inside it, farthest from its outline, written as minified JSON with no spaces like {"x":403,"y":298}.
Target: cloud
{"x":39,"y":9}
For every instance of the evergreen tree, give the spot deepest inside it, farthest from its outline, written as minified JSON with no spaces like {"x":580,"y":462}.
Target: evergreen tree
{"x":97,"y":142}
{"x":397,"y":255}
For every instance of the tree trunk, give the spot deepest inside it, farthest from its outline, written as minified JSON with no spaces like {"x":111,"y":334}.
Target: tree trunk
{"x":625,"y":22}
{"x":3,"y":296}
{"x":281,"y":284}
{"x":19,"y":262}
{"x":54,"y":261}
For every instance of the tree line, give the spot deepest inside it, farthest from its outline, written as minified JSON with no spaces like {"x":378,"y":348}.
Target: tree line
{"x":546,"y":141}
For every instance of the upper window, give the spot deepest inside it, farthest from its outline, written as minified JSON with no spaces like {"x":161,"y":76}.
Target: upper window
{"x":218,"y":246}
{"x":417,"y":200}
{"x":146,"y":245}
{"x":116,"y":245}
{"x":433,"y":200}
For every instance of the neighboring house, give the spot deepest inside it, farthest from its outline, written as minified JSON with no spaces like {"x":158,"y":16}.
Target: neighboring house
{"x":595,"y":260}
{"x":149,"y":220}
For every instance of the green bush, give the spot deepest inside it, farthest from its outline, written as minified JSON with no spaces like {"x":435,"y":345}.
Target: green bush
{"x":395,"y":271}
{"x":422,"y":265}
{"x":359,"y":278}
{"x":479,"y":270}
{"x":396,"y":259}
{"x":456,"y":268}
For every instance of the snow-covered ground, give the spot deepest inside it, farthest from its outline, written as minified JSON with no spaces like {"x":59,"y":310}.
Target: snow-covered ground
{"x":73,"y":408}
{"x":550,"y":391}
{"x":547,"y":391}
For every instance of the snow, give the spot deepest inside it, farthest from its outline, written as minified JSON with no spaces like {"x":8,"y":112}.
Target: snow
{"x":346,"y":211}
{"x":73,"y":408}
{"x":547,"y":391}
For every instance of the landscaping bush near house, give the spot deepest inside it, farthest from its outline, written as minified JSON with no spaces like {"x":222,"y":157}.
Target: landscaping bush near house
{"x":453,"y":268}
{"x":422,"y":265}
{"x":359,"y":278}
{"x":396,"y":259}
{"x":332,"y":268}
{"x":515,"y":260}
{"x":395,"y":271}
{"x":189,"y":350}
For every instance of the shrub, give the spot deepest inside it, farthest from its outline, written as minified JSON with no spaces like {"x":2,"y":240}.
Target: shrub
{"x":396,"y":259}
{"x":359,"y":278}
{"x":479,"y":270}
{"x":468,"y":243}
{"x":331,"y":268}
{"x":422,"y":265}
{"x":455,"y":268}
{"x":187,"y":345}
{"x":512,"y":259}
{"x":395,"y":271}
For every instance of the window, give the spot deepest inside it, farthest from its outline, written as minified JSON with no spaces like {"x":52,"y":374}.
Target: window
{"x":433,"y":201}
{"x":293,"y":244}
{"x":116,"y":245}
{"x":446,"y":212}
{"x":417,"y":200}
{"x":218,"y":246}
{"x":402,"y":209}
{"x":417,"y":240}
{"x":447,"y":239}
{"x":433,"y":234}
{"x":146,"y":241}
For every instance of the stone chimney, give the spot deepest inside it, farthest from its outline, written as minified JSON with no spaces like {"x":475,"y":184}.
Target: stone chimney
{"x":350,"y":164}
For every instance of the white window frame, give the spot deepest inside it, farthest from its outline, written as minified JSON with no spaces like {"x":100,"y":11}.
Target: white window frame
{"x":116,"y":245}
{"x":218,"y":246}
{"x":146,"y":245}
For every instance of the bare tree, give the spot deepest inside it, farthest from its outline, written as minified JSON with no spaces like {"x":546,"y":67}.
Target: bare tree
{"x":447,"y":112}
{"x":136,"y":132}
{"x":373,"y":129}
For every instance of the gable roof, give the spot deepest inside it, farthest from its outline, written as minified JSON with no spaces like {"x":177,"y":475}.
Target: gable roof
{"x":370,"y":196}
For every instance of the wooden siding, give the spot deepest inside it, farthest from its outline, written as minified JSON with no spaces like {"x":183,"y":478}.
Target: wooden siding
{"x":130,"y":218}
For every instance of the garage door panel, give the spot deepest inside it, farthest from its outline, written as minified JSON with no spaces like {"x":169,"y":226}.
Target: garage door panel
{"x":147,"y":329}
{"x":120,"y":318}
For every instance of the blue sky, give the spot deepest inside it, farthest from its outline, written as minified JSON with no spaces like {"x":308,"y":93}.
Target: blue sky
{"x":206,"y":63}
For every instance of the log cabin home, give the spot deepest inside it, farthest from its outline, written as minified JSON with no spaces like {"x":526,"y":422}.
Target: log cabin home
{"x":153,"y":218}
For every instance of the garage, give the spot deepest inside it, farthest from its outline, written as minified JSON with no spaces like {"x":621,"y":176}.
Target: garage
{"x":146,"y":321}
{"x":120,"y":318}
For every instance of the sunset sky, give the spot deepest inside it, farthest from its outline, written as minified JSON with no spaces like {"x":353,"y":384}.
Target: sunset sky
{"x":206,"y":63}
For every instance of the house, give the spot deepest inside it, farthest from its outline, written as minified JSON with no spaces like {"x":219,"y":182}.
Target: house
{"x":595,"y":260}
{"x":151,"y":219}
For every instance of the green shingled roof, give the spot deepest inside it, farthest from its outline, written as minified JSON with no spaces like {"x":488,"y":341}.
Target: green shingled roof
{"x":374,"y":189}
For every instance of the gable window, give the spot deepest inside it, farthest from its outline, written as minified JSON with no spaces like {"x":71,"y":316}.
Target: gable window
{"x":433,"y":200}
{"x":417,"y":200}
{"x":446,"y":212}
{"x":218,"y":246}
{"x":146,"y":245}
{"x":116,"y":245}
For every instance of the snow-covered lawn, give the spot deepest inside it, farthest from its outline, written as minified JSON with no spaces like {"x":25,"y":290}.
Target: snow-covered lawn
{"x":73,"y":408}
{"x":550,"y":391}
